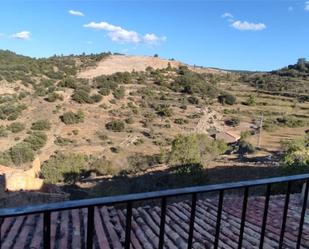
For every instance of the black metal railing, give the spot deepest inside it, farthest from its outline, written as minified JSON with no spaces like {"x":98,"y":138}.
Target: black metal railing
{"x":130,"y":199}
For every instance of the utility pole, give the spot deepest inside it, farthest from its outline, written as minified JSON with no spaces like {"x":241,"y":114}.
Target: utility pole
{"x":260,"y":131}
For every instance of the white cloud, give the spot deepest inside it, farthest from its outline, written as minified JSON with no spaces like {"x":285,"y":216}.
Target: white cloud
{"x":23,"y":35}
{"x":121,"y":35}
{"x":244,"y":25}
{"x":89,"y":42}
{"x":227,"y":15}
{"x":307,"y":5}
{"x":76,"y":13}
{"x":153,"y":39}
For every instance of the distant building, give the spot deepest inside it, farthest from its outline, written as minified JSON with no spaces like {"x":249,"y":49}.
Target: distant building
{"x":227,"y":137}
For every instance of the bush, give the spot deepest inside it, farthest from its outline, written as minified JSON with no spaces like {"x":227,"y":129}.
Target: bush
{"x":140,"y":162}
{"x":41,"y":125}
{"x":82,"y":97}
{"x":234,"y":122}
{"x":52,"y":97}
{"x":64,"y":167}
{"x":102,"y":166}
{"x":181,"y":121}
{"x":296,"y":153}
{"x":21,"y":153}
{"x":63,"y":141}
{"x":36,"y":140}
{"x":193,"y":100}
{"x":16,"y":127}
{"x":115,"y":125}
{"x":227,"y":98}
{"x":72,"y":118}
{"x":119,"y":93}
{"x":163,"y":110}
{"x":245,"y":147}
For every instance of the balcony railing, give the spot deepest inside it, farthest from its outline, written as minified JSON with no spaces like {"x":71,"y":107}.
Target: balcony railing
{"x":163,"y":196}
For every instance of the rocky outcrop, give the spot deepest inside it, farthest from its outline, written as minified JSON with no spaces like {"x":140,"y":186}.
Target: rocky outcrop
{"x":17,"y":179}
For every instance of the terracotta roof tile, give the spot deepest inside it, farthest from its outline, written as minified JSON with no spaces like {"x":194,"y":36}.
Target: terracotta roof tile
{"x":69,"y":228}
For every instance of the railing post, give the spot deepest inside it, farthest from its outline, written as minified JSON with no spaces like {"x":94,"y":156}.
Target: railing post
{"x":302,"y":217}
{"x":285,"y":214}
{"x":219,"y":214}
{"x":243,"y":217}
{"x":90,"y":227}
{"x":46,"y":229}
{"x":268,"y":188}
{"x":162,"y":223}
{"x":128,"y":225}
{"x":192,"y":219}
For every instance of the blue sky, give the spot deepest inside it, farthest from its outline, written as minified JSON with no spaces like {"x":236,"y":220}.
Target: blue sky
{"x":253,"y":35}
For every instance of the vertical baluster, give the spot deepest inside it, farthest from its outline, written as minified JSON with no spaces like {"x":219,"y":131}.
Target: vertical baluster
{"x":268,"y":188}
{"x":192,"y":219}
{"x":128,"y":225}
{"x":46,"y":229}
{"x":162,"y":223}
{"x":243,"y":217}
{"x":302,"y":217}
{"x":285,"y":214}
{"x":1,"y":221}
{"x":219,"y":214}
{"x":90,"y":227}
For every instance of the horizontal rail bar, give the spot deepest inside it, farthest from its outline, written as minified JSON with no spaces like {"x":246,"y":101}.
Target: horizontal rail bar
{"x":112,"y":200}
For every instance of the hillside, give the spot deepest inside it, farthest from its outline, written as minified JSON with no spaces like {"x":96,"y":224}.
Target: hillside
{"x":112,"y":115}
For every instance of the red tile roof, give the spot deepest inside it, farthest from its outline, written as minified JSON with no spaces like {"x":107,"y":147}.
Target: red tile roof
{"x":68,"y":228}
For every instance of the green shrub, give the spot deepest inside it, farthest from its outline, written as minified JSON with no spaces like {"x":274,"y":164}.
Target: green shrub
{"x":72,"y":118}
{"x":245,"y":147}
{"x":21,"y":153}
{"x":64,"y":167}
{"x":227,"y":98}
{"x":102,"y":166}
{"x":36,"y":140}
{"x":251,"y":100}
{"x":164,"y":110}
{"x":52,"y":97}
{"x":82,"y":97}
{"x":140,"y":162}
{"x":63,"y":141}
{"x":3,"y":131}
{"x":234,"y":122}
{"x":181,"y":121}
{"x":296,"y":153}
{"x":193,"y":100}
{"x":96,"y":98}
{"x":129,"y":120}
{"x":41,"y":125}
{"x":119,"y":92}
{"x":115,"y":125}
{"x":16,"y":127}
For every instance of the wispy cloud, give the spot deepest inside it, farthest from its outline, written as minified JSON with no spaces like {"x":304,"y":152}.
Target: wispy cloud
{"x":307,"y":5}
{"x":290,"y":8}
{"x":76,"y":13}
{"x":243,"y":25}
{"x":121,"y":35}
{"x":1,"y":35}
{"x":23,"y":35}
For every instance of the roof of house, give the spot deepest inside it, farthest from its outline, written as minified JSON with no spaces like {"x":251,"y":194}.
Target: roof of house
{"x":68,"y":228}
